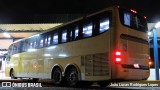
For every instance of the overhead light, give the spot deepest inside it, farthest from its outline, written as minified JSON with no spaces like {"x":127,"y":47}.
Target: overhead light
{"x":149,"y":33}
{"x":6,"y":35}
{"x":157,"y":25}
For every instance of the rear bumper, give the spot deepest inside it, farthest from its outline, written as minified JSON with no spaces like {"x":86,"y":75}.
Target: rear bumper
{"x":129,"y":72}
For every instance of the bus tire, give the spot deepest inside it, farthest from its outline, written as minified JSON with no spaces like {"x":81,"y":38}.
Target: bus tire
{"x":103,"y":83}
{"x":57,"y":76}
{"x":12,"y":74}
{"x":72,"y":77}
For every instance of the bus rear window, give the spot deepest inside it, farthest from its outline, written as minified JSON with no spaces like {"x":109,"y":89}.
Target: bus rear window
{"x":132,"y":20}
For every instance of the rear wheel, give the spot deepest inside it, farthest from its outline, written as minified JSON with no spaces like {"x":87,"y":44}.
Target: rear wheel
{"x":72,"y":77}
{"x":57,"y":76}
{"x":12,"y":74}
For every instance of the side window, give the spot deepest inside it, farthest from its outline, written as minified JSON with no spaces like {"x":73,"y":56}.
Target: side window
{"x":70,"y":35}
{"x":104,"y":24}
{"x":127,"y":19}
{"x":10,"y":51}
{"x":46,"y":41}
{"x":16,"y":48}
{"x":35,"y":44}
{"x":55,"y":38}
{"x":31,"y":45}
{"x":76,"y":33}
{"x":41,"y":42}
{"x":64,"y":36}
{"x":49,"y":40}
{"x":87,"y":30}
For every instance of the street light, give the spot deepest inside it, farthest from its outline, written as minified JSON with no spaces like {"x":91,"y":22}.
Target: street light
{"x":155,"y":47}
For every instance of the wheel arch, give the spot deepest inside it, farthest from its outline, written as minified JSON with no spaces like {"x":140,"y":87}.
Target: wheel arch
{"x":11,"y":69}
{"x":68,"y":66}
{"x":56,"y":66}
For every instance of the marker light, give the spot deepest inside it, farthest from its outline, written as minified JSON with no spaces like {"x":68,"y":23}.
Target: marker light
{"x":118,"y":6}
{"x":118,"y":57}
{"x":150,"y":63}
{"x":133,"y":11}
{"x":35,"y":66}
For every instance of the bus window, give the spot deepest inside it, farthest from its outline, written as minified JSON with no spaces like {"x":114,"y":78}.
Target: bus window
{"x":127,"y":19}
{"x":70,"y":35}
{"x":41,"y":43}
{"x":104,"y":24}
{"x":132,"y":20}
{"x":64,"y":36}
{"x":87,"y":30}
{"x":31,"y":45}
{"x":76,"y":33}
{"x":10,"y":50}
{"x":49,"y":40}
{"x":55,"y":38}
{"x":16,"y":48}
{"x":46,"y":41}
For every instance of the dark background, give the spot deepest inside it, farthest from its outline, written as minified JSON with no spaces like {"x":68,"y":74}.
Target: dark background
{"x":43,"y":11}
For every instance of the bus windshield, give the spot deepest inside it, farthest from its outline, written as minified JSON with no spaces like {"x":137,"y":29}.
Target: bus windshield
{"x":132,"y":20}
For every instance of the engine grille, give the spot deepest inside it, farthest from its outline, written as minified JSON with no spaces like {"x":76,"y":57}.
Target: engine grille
{"x":96,"y":65}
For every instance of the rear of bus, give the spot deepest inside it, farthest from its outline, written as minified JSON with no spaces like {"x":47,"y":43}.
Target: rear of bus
{"x":131,"y":51}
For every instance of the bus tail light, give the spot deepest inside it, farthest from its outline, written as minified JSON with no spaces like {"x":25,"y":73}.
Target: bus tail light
{"x":149,"y":61}
{"x":118,"y":57}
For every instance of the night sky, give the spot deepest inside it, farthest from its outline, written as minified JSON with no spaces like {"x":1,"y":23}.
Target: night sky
{"x":26,"y":11}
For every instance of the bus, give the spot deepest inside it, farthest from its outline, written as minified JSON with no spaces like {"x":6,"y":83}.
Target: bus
{"x":108,"y":45}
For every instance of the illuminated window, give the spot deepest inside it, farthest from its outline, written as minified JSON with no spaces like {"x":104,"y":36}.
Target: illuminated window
{"x":127,"y":19}
{"x":76,"y":33}
{"x":41,"y":42}
{"x":70,"y":36}
{"x":46,"y":41}
{"x":49,"y":40}
{"x":104,"y":24}
{"x":35,"y":44}
{"x":55,"y":38}
{"x":31,"y":44}
{"x":87,"y":30}
{"x":64,"y":36}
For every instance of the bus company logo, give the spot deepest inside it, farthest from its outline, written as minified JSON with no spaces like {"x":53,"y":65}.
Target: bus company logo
{"x":6,"y":84}
{"x":9,"y":84}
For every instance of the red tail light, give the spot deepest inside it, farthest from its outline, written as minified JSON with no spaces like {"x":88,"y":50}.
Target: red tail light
{"x":118,"y":57}
{"x":149,"y":61}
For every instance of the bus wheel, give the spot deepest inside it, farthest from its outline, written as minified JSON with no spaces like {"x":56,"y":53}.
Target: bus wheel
{"x":103,"y":83}
{"x":12,"y":74}
{"x":57,"y":76}
{"x":72,"y":77}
